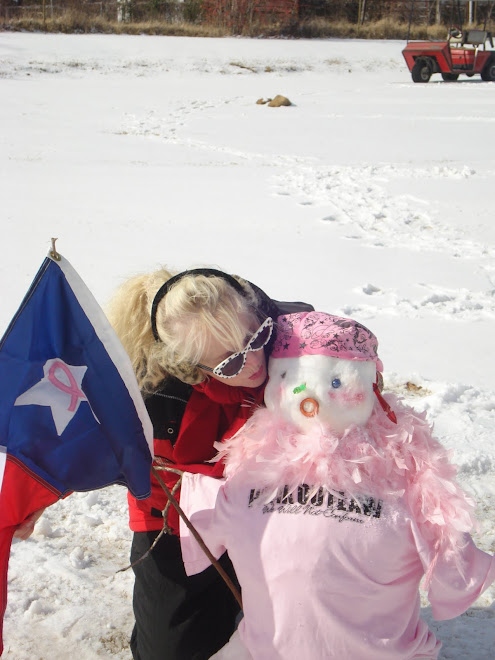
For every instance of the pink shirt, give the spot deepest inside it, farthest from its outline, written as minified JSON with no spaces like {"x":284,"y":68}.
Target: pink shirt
{"x":324,"y":577}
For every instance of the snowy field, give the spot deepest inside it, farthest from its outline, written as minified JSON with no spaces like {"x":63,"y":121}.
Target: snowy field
{"x":370,"y":197}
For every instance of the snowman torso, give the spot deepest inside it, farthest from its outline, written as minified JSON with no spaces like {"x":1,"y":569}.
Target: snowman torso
{"x":313,"y":561}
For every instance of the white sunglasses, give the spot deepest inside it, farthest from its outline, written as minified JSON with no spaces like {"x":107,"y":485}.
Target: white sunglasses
{"x":234,"y":364}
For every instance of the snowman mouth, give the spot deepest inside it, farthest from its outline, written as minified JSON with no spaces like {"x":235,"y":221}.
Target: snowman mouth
{"x":309,"y":407}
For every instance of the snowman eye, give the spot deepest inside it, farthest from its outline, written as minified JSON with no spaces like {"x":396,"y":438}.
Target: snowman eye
{"x":336,"y":383}
{"x":283,"y":375}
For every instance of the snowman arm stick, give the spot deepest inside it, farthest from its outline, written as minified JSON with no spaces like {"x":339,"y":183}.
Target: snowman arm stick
{"x":198,"y":538}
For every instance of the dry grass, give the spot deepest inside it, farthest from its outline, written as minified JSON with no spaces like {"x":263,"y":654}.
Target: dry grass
{"x":312,"y":28}
{"x":76,"y":22}
{"x":71,"y":21}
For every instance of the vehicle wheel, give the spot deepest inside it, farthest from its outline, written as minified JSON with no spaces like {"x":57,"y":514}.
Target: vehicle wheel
{"x":488,"y":72}
{"x":421,"y":71}
{"x":450,"y":77}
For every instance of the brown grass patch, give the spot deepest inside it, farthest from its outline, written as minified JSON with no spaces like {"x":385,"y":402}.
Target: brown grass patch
{"x":76,"y":21}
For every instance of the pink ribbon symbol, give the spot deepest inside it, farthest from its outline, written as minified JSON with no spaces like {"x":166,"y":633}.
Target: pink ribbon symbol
{"x":72,"y":388}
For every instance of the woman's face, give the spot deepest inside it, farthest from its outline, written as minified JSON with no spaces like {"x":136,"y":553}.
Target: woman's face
{"x":254,"y":372}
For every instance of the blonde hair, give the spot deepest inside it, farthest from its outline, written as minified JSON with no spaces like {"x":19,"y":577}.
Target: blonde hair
{"x":195,"y":309}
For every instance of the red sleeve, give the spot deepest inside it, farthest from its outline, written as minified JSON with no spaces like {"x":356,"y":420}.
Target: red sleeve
{"x":21,"y":494}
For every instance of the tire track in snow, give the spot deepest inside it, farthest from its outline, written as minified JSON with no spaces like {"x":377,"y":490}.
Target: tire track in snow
{"x":167,"y":128}
{"x":362,"y":204}
{"x":364,"y":210}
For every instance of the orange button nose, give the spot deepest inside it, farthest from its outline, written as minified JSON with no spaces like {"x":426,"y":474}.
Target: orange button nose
{"x":309,"y":407}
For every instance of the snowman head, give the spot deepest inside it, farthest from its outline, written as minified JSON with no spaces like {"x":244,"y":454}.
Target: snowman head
{"x":322,"y":371}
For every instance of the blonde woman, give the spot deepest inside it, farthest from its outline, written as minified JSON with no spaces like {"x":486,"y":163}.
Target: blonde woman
{"x":199,"y":343}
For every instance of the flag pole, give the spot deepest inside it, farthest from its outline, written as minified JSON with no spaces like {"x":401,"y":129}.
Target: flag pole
{"x":53,"y":253}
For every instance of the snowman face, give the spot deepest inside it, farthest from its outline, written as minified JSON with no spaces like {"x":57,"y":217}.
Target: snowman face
{"x":323,"y":390}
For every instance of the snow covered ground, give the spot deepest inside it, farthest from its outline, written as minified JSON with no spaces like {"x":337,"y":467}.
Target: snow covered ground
{"x":371,"y":197}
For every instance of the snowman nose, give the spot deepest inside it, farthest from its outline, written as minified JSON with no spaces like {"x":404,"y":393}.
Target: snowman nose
{"x":309,"y":407}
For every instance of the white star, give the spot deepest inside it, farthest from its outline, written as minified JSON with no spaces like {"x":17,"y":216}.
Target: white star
{"x":60,"y":389}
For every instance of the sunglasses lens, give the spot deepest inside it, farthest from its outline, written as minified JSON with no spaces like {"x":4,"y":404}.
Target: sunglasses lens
{"x":261,"y":339}
{"x":233,"y":366}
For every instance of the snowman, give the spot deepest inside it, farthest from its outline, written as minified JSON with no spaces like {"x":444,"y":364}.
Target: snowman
{"x":336,"y":503}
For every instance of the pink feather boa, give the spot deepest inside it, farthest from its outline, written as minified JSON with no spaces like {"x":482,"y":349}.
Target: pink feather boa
{"x":380,"y":460}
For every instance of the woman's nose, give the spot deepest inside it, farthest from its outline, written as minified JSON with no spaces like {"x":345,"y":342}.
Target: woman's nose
{"x":255,"y":358}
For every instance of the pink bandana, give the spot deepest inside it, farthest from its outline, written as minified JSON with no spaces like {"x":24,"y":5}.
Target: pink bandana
{"x":318,"y":333}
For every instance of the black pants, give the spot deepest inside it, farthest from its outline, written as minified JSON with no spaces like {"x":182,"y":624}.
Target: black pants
{"x":178,"y":617}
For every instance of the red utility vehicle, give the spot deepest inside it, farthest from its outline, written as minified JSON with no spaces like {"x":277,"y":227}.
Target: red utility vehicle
{"x":463,"y":52}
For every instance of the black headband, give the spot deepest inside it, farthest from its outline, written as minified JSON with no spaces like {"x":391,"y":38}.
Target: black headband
{"x":164,"y":289}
